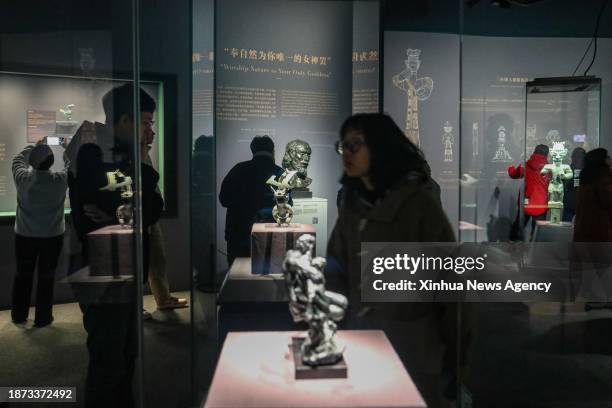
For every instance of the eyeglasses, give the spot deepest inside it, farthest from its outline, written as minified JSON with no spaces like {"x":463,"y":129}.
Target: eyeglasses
{"x":353,"y":147}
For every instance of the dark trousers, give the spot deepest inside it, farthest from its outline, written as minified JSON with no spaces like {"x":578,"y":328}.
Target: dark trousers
{"x":109,"y":318}
{"x":533,"y":219}
{"x":32,"y":253}
{"x":112,"y":342}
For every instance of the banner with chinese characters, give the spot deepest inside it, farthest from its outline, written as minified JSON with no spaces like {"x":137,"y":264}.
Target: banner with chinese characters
{"x":203,"y":64}
{"x":283,"y":69}
{"x":366,"y":41}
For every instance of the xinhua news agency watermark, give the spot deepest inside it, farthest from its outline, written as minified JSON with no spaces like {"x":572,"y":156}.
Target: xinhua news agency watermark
{"x":485,"y":272}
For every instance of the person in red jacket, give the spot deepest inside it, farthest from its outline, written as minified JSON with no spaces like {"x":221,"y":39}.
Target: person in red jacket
{"x":536,"y":186}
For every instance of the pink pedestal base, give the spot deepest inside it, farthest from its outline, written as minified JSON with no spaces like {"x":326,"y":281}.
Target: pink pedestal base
{"x":256,"y":369}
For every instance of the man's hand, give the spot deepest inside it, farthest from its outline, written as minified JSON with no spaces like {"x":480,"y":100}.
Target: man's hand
{"x":94,"y":213}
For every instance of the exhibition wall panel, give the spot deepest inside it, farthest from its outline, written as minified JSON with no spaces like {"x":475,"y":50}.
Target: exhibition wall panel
{"x":493,"y":96}
{"x":491,"y":75}
{"x":31,"y":111}
{"x":54,"y":55}
{"x":421,"y":93}
{"x":285,"y":73}
{"x":203,"y":201}
{"x":366,"y":56}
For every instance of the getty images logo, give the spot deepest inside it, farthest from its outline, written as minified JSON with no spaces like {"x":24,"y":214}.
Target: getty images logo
{"x":412,"y":264}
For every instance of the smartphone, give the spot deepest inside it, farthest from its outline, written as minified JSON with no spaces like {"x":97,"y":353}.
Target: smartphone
{"x":579,"y":138}
{"x":54,"y":141}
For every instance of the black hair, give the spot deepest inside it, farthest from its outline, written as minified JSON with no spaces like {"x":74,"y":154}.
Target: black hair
{"x":541,"y":149}
{"x":119,"y":101}
{"x":203,"y":144}
{"x":47,"y":163}
{"x":262,"y":144}
{"x":89,"y":159}
{"x":41,"y":157}
{"x":392,"y":154}
{"x":595,"y":163}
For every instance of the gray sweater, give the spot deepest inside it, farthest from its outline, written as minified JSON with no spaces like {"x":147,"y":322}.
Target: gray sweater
{"x":40,"y":199}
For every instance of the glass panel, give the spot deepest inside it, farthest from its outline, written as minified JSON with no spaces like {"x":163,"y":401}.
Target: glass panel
{"x":421,"y":88}
{"x":566,"y":110}
{"x":206,"y":280}
{"x":293,"y":96}
{"x":165,"y":59}
{"x":70,"y":199}
{"x":284,"y":83}
{"x":290,"y":88}
{"x":533,"y":352}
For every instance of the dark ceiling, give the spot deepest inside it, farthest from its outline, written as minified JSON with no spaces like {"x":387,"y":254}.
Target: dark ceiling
{"x":559,"y":18}
{"x":545,"y":18}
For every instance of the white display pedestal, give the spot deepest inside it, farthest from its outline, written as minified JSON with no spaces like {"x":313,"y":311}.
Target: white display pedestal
{"x":256,"y":369}
{"x":313,"y":211}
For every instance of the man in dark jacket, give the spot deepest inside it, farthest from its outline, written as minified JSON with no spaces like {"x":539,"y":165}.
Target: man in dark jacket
{"x":536,"y":185}
{"x":110,"y":321}
{"x":247,"y":197}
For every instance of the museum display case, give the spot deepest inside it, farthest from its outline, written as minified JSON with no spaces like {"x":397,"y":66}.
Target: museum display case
{"x":568,"y":110}
{"x":520,"y":88}
{"x":54,"y":106}
{"x":249,"y":98}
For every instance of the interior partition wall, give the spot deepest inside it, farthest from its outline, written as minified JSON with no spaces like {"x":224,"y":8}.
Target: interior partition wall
{"x":288,"y":70}
{"x":527,"y":353}
{"x":282,"y":69}
{"x":57,"y":61}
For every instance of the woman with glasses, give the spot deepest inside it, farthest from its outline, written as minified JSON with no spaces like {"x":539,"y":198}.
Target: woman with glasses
{"x":389,"y":196}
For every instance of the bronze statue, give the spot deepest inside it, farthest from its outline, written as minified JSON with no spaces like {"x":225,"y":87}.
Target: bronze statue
{"x":296,"y":158}
{"x":282,"y":211}
{"x":311,"y":303}
{"x":118,"y":181}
